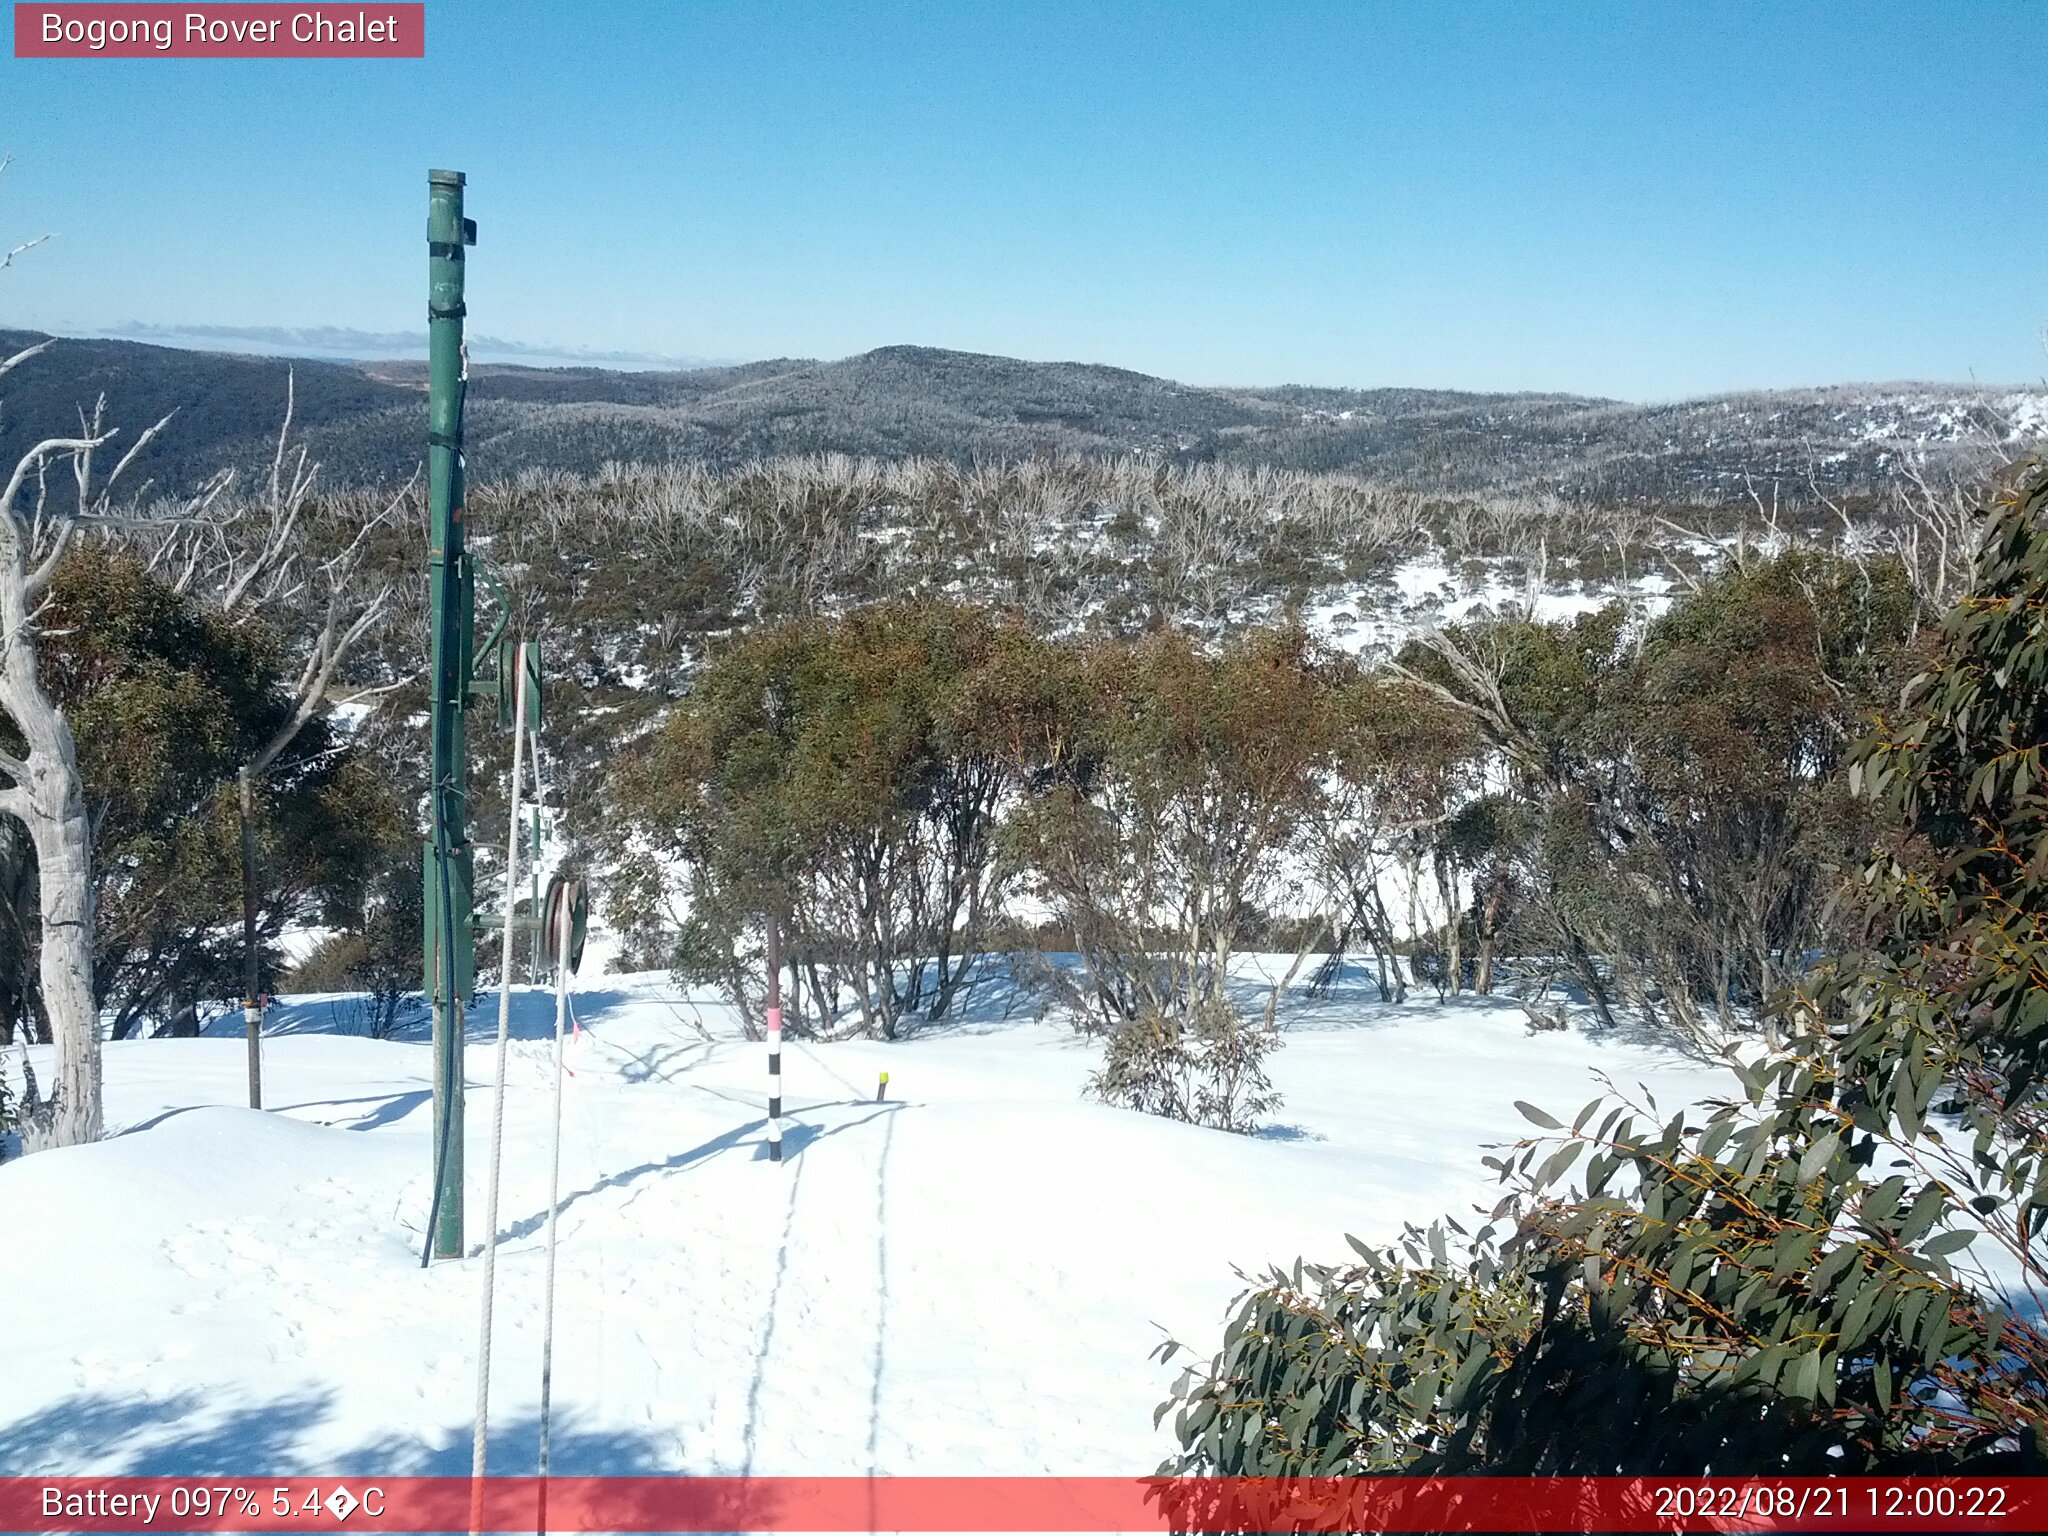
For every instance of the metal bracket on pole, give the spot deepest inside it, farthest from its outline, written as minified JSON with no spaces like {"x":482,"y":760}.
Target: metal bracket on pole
{"x":498,"y":687}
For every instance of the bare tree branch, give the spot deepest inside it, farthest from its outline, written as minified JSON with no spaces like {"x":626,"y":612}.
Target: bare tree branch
{"x":26,"y":245}
{"x":33,"y":459}
{"x":8,"y":364}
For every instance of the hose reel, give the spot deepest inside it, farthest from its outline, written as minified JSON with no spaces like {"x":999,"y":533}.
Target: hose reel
{"x":566,"y":902}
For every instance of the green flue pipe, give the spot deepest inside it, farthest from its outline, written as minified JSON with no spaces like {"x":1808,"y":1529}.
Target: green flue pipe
{"x":450,"y":958}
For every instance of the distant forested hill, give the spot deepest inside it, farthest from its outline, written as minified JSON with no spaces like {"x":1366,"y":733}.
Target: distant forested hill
{"x":228,"y":408}
{"x":366,"y":422}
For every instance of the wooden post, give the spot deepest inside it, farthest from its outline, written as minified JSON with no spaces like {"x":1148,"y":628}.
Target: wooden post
{"x":252,"y":955}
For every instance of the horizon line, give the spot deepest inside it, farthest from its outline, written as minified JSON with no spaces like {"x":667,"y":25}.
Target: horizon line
{"x":352,"y":345}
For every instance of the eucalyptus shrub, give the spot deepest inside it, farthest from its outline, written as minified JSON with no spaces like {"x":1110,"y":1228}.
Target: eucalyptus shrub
{"x":1736,"y":1297}
{"x":1948,"y":1010}
{"x":1206,"y":1067}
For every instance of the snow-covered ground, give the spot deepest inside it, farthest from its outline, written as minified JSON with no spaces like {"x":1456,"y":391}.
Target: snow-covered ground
{"x":963,"y":1278}
{"x":1424,"y":593}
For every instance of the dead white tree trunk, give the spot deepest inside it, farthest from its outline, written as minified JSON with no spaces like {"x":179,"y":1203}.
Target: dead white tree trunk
{"x":45,"y":796}
{"x":42,"y":789}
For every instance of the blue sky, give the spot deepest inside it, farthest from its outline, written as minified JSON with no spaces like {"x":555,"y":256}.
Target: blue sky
{"x":1639,"y":200}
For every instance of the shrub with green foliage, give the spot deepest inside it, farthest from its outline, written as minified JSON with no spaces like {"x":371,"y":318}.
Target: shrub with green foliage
{"x":1737,"y":1297}
{"x":1938,"y":1025}
{"x":378,"y":955}
{"x":1207,"y":1068}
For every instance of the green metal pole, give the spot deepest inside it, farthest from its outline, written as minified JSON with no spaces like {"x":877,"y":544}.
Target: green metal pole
{"x":449,"y":937}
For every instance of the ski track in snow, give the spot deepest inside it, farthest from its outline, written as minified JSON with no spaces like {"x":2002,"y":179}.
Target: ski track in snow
{"x":966,"y":1277}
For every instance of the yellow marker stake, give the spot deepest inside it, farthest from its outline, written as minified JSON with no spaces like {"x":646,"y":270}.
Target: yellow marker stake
{"x":882,"y":1088}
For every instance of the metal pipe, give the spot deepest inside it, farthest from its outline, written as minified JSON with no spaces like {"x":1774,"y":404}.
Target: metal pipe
{"x":252,"y":952}
{"x":451,"y":593}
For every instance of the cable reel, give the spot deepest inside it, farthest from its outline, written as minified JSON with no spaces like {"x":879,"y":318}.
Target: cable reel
{"x":565,"y":910}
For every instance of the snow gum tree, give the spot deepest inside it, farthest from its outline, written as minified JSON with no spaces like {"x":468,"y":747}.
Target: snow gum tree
{"x":1680,"y":809}
{"x":843,"y":775}
{"x":1404,"y":763}
{"x":1166,"y":848}
{"x":1165,"y":851}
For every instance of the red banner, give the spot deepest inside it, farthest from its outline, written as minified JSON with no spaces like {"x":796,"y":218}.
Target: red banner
{"x":830,"y":1504}
{"x":151,"y":31}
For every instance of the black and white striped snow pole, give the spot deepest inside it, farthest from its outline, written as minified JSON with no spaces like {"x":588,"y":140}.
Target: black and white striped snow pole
{"x":562,"y":915}
{"x":774,"y":1040}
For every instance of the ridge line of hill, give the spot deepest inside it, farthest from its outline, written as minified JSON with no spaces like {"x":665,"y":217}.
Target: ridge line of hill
{"x":363,"y":420}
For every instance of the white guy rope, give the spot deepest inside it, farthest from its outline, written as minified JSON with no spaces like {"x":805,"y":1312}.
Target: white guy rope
{"x":481,"y":1434}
